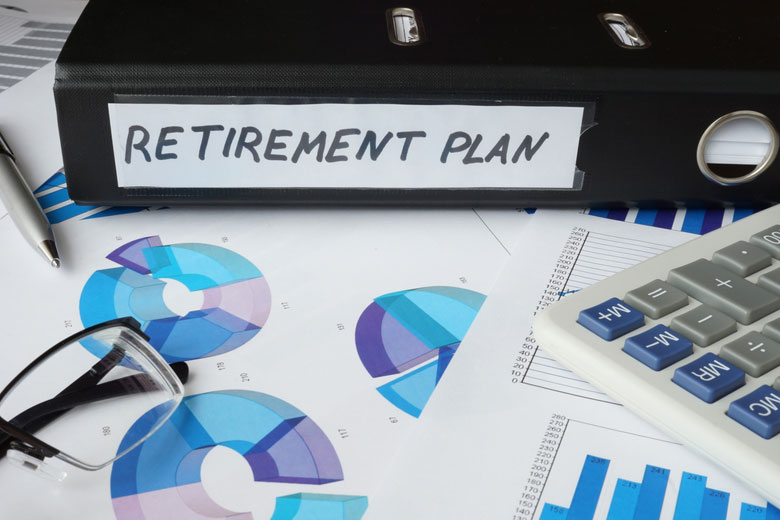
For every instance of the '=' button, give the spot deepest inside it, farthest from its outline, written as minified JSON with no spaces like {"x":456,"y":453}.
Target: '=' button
{"x":611,"y":319}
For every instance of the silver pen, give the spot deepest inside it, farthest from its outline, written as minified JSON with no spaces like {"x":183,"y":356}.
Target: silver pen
{"x":23,"y":207}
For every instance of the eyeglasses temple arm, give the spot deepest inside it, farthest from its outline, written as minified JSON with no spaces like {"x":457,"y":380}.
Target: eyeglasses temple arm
{"x":42,"y":414}
{"x":93,"y":376}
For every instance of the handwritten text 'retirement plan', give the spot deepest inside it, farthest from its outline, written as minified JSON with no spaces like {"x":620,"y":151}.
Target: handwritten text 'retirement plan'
{"x":214,"y":141}
{"x":182,"y":144}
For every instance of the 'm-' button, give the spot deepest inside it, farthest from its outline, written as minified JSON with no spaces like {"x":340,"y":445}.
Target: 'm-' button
{"x":658,"y":347}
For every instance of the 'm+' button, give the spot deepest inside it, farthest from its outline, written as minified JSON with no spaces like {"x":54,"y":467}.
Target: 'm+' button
{"x":611,"y":319}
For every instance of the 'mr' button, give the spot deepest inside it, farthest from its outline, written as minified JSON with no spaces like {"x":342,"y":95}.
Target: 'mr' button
{"x":611,"y":319}
{"x":709,"y":377}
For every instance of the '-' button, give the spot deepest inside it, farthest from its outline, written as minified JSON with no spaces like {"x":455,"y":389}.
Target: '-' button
{"x":611,"y":319}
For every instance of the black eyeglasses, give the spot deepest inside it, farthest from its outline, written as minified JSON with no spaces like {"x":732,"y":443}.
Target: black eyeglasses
{"x":64,"y":404}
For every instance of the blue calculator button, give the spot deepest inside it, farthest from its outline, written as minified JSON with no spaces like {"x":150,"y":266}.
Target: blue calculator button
{"x":709,"y":377}
{"x":658,"y":347}
{"x":759,"y":411}
{"x":611,"y":319}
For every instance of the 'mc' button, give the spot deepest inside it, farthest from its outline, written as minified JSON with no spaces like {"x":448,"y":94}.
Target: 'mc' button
{"x":709,"y":377}
{"x":759,"y":411}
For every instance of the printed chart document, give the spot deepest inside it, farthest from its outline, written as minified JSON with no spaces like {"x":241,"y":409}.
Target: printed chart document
{"x":32,"y":33}
{"x":511,"y":434}
{"x":314,"y":339}
{"x":28,"y":122}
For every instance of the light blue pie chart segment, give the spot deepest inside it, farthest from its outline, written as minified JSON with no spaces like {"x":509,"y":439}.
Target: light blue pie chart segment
{"x":414,"y":333}
{"x":236,"y":296}
{"x":315,"y":506}
{"x":199,"y":266}
{"x":411,"y":391}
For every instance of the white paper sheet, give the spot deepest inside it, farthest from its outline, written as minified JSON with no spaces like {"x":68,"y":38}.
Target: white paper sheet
{"x":323,"y":269}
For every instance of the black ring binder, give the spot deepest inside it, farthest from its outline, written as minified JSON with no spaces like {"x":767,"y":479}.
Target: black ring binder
{"x":640,"y":110}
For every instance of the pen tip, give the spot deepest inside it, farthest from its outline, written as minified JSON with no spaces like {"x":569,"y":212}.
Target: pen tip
{"x":49,"y":251}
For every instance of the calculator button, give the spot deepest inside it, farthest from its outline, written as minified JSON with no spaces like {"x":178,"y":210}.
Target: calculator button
{"x":658,"y":347}
{"x":772,"y":330}
{"x":768,"y":239}
{"x":759,"y":411}
{"x":709,"y":377}
{"x":704,"y":325}
{"x":657,"y":299}
{"x":776,"y":384}
{"x":753,"y":353}
{"x":722,"y":289}
{"x":742,"y":258}
{"x":611,"y":319}
{"x":770,"y":281}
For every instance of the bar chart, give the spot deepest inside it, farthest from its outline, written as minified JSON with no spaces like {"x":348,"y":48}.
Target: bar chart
{"x":598,"y":472}
{"x":26,"y":46}
{"x":644,"y":500}
{"x":55,"y":200}
{"x":697,"y":221}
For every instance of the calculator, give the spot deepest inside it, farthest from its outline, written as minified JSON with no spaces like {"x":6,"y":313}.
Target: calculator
{"x":690,"y":340}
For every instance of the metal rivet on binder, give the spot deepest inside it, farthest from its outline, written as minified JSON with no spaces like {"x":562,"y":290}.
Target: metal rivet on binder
{"x":737,"y":147}
{"x":624,"y":31}
{"x":405,"y":26}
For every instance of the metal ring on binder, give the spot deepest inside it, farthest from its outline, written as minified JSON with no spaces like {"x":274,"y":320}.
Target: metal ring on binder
{"x":624,"y":31}
{"x":405,"y":26}
{"x":761,"y":167}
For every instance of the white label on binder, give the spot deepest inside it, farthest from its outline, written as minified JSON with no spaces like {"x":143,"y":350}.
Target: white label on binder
{"x":168,"y":145}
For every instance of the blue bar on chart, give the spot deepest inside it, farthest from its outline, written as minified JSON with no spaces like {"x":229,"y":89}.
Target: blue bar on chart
{"x":690,"y":497}
{"x":624,"y":500}
{"x":715,"y":505}
{"x":651,"y":493}
{"x":553,"y":512}
{"x":586,"y":494}
{"x":751,"y":512}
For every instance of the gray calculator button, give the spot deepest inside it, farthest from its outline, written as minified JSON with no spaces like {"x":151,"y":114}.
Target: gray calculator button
{"x":777,"y":384}
{"x":704,"y":325}
{"x":722,"y":289}
{"x":772,"y":330}
{"x":656,"y":299}
{"x":770,"y":281}
{"x":753,"y":353}
{"x":742,"y":258}
{"x":768,"y":239}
